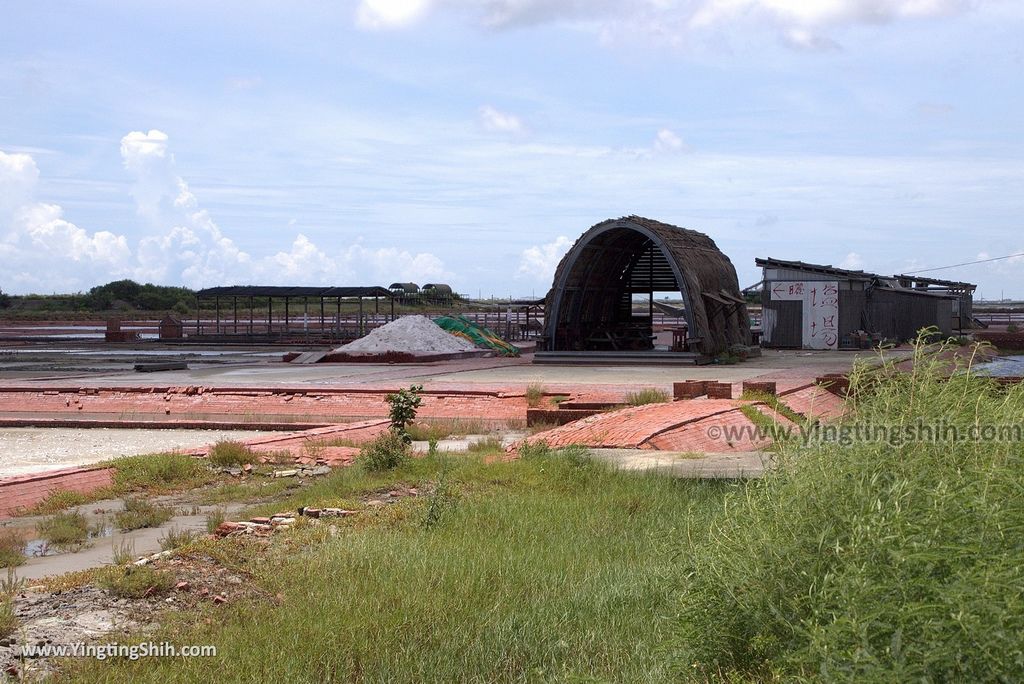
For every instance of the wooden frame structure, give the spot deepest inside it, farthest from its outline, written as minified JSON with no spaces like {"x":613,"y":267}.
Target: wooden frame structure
{"x":589,"y":307}
{"x":334,"y":327}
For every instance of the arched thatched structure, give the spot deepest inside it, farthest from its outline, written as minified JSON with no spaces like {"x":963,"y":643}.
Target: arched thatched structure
{"x":437,"y":289}
{"x":591,"y":298}
{"x":404,"y":288}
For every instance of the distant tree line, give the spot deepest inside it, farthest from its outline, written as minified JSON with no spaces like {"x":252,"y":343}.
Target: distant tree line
{"x":118,"y":295}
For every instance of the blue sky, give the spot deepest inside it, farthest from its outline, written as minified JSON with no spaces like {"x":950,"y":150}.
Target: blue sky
{"x":471,"y":141}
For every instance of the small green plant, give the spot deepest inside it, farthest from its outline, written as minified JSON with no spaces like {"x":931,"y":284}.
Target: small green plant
{"x":11,"y":585}
{"x":404,"y":404}
{"x":12,"y":549}
{"x":59,"y":500}
{"x":139,"y":513}
{"x":648,"y":395}
{"x":176,"y":538}
{"x":214,"y":518}
{"x":440,"y":501}
{"x":432,"y":447}
{"x":8,"y":620}
{"x":386,"y":452}
{"x":534,"y":394}
{"x":227,"y":453}
{"x":68,"y":531}
{"x":124,"y":552}
{"x":1012,"y":328}
{"x":538,"y":449}
{"x":135,"y":581}
{"x":485,"y":446}
{"x":439,"y":429}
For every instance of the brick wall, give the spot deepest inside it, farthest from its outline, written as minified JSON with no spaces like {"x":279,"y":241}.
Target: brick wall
{"x":23,"y":492}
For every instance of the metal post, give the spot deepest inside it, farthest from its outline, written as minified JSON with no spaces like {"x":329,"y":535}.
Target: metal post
{"x":198,"y":316}
{"x":234,"y":302}
{"x":251,"y":314}
{"x":337,"y":321}
{"x":216,"y":330}
{"x":270,"y":314}
{"x":361,"y":333}
{"x":286,"y":323}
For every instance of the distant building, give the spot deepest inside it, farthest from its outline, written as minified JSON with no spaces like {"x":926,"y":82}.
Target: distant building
{"x":812,"y":306}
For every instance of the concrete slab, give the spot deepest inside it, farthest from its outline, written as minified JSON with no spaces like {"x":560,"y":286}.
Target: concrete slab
{"x":710,"y":466}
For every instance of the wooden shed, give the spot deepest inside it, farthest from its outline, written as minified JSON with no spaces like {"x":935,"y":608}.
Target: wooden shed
{"x":590,"y":305}
{"x":814,"y":306}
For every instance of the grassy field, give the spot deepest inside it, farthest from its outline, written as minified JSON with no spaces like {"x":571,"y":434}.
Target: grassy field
{"x":892,"y":557}
{"x":550,"y":567}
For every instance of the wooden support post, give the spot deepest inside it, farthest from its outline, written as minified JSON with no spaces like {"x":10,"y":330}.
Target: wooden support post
{"x":216,"y":329}
{"x":270,"y":314}
{"x":251,"y":315}
{"x":287,"y":324}
{"x":234,"y":304}
{"x":361,"y":333}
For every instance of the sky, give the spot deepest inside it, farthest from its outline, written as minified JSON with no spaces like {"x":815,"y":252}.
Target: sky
{"x":363,"y":142}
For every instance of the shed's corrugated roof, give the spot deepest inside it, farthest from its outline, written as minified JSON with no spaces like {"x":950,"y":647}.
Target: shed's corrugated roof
{"x":825,"y":269}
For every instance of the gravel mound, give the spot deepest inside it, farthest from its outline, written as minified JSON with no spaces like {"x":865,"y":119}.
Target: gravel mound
{"x":409,"y":334}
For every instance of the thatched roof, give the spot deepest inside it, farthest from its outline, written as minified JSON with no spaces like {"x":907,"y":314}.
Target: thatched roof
{"x":595,"y":280}
{"x":437,"y":289}
{"x":408,"y":288}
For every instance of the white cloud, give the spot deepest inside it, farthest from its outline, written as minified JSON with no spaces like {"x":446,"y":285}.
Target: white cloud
{"x":502,"y":122}
{"x":540,"y":261}
{"x":852,"y":261}
{"x":44,"y":252}
{"x":385,"y":14}
{"x":802,"y":24}
{"x":668,"y":141}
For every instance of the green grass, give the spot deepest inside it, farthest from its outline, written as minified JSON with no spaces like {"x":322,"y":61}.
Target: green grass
{"x":648,"y":395}
{"x":61,"y":500}
{"x":134,"y":581}
{"x":488,"y":445}
{"x":767,"y":425}
{"x":227,"y":453}
{"x":854,"y":562}
{"x":776,"y":404}
{"x":139,"y":513}
{"x":8,"y":620}
{"x":386,"y":452}
{"x":175,"y":538}
{"x":426,"y":430}
{"x":871,"y":562}
{"x":535,"y":394}
{"x":12,"y":549}
{"x":64,"y":530}
{"x":214,"y":518}
{"x":550,"y":568}
{"x":247,"y":492}
{"x":159,"y":473}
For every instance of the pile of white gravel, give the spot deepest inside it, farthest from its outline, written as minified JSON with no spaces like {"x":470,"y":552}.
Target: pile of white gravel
{"x":409,"y":334}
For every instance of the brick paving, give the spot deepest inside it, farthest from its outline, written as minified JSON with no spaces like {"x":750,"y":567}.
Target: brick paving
{"x":250,"y":404}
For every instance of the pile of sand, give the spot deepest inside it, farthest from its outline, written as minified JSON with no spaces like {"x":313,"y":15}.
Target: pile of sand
{"x":411,"y":335}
